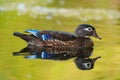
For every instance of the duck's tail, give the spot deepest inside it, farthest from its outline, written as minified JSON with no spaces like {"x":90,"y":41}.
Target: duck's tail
{"x":23,"y":36}
{"x":30,"y":39}
{"x":17,"y":34}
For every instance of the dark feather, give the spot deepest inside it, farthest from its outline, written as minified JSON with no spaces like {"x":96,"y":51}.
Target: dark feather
{"x":60,"y":35}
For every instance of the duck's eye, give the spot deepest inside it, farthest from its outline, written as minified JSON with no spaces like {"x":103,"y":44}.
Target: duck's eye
{"x":88,"y":29}
{"x":87,"y":65}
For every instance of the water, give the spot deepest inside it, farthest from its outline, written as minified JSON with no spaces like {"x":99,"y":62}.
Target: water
{"x":20,"y":68}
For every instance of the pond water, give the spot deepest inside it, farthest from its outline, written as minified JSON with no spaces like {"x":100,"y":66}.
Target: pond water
{"x":25,"y":66}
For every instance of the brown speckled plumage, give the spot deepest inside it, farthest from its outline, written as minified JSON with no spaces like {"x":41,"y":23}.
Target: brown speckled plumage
{"x":59,"y":45}
{"x":78,"y":42}
{"x":61,"y":41}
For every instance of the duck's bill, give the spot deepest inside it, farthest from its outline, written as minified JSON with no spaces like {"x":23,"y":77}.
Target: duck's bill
{"x":96,"y":58}
{"x":96,"y":35}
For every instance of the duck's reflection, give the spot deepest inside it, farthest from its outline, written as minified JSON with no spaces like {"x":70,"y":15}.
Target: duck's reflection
{"x":52,"y":53}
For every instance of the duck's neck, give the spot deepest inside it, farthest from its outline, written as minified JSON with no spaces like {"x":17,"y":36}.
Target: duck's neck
{"x":84,"y":41}
{"x":86,"y":37}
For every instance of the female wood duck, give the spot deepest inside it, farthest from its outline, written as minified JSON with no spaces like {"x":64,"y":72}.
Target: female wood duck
{"x":59,"y":39}
{"x":62,"y":45}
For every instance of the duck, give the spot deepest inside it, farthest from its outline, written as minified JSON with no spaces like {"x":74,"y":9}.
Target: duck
{"x":60,"y":39}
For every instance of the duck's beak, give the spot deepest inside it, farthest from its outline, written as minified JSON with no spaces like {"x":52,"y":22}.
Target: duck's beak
{"x":94,"y":59}
{"x":96,"y":35}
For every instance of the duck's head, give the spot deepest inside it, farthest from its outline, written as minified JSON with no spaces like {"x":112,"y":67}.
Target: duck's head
{"x":86,"y":30}
{"x":85,"y":63}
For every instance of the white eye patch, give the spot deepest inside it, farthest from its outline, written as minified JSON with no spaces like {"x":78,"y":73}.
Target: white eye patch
{"x":88,"y":29}
{"x":87,"y":65}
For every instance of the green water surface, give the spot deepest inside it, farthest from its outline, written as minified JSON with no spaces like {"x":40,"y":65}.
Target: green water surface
{"x":19,"y":68}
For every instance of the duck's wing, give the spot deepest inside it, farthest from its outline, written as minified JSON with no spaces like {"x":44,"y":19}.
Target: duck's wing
{"x":64,"y":36}
{"x":45,"y":34}
{"x":36,"y":33}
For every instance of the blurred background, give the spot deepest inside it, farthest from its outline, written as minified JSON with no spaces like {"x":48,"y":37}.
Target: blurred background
{"x":64,"y":15}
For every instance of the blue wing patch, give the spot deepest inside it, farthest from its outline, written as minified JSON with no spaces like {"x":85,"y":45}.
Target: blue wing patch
{"x":31,"y":56}
{"x":44,"y":55}
{"x":45,"y":37}
{"x":34,"y":32}
{"x":37,"y":34}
